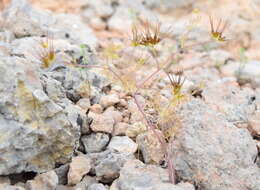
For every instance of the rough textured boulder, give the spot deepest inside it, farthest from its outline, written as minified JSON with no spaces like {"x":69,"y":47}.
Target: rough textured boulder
{"x":136,"y":176}
{"x":212,"y":152}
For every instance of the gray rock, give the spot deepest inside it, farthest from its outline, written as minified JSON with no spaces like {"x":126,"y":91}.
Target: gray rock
{"x":62,"y":173}
{"x":212,"y":152}
{"x":125,"y":14}
{"x":35,"y":132}
{"x":86,"y":182}
{"x":136,"y":176}
{"x":97,"y":186}
{"x":166,"y":5}
{"x":244,"y":72}
{"x":107,"y":164}
{"x":122,"y":144}
{"x":24,"y":20}
{"x":95,"y":142}
{"x":225,"y":96}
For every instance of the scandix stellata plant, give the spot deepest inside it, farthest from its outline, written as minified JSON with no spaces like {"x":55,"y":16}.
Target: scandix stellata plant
{"x":145,"y":37}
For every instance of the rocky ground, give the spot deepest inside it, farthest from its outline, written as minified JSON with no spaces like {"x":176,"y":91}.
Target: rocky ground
{"x":83,"y":106}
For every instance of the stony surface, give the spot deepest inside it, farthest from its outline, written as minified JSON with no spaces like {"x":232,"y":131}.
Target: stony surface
{"x":76,"y":122}
{"x":234,"y":150}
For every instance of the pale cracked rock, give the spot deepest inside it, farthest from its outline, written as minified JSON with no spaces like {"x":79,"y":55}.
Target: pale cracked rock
{"x":122,"y":144}
{"x":226,"y":96}
{"x":150,"y":146}
{"x":211,"y":152}
{"x":79,"y":167}
{"x":135,"y":175}
{"x":116,"y":115}
{"x":95,"y":142}
{"x":135,"y":129}
{"x":101,"y":122}
{"x":109,"y":100}
{"x":44,"y":181}
{"x":120,"y":128}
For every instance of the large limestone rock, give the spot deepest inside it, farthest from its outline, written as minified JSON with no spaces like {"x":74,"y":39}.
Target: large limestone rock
{"x":35,"y":132}
{"x":212,"y":152}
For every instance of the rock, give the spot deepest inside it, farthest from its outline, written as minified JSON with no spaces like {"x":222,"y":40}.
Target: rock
{"x":44,"y":181}
{"x":97,"y":186}
{"x":135,"y":129}
{"x":99,"y":8}
{"x":5,"y":180}
{"x":96,"y":108}
{"x":122,"y":144}
{"x":107,"y":164}
{"x":78,"y":32}
{"x":62,"y":173}
{"x":23,"y":20}
{"x":254,"y":124}
{"x":84,"y":103}
{"x":85,"y":183}
{"x":121,"y":128}
{"x":95,"y":142}
{"x":124,"y":15}
{"x":79,"y":167}
{"x":116,"y":115}
{"x":63,"y":187}
{"x":226,"y":97}
{"x":186,"y":186}
{"x":167,"y":5}
{"x":211,"y":152}
{"x":109,"y":100}
{"x":244,"y":72}
{"x":219,"y":57}
{"x":35,"y":131}
{"x":101,"y":122}
{"x":150,"y":146}
{"x":11,"y":187}
{"x":114,"y":185}
{"x":135,"y":175}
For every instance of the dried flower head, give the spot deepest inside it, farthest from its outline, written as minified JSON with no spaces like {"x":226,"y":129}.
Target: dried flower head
{"x":217,"y":33}
{"x":46,"y":51}
{"x":177,"y":80}
{"x":146,"y":34}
